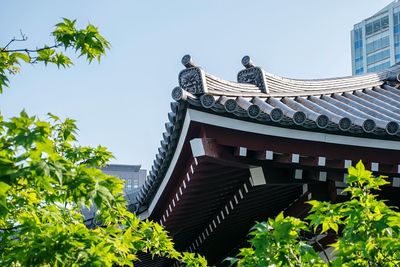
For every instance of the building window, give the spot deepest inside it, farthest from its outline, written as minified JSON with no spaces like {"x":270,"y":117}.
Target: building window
{"x":368,"y":29}
{"x":379,"y":67}
{"x":385,"y":22}
{"x":359,"y":71}
{"x":378,"y":44}
{"x":129,"y":184}
{"x":378,"y":56}
{"x":377,"y":25}
{"x":396,"y":32}
{"x":358,"y":50}
{"x":135,"y":183}
{"x":359,"y":63}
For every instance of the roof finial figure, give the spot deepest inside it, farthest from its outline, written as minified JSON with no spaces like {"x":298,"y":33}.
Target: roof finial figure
{"x":192,"y":79}
{"x":253,"y":75}
{"x":247,"y":62}
{"x":187,"y":61}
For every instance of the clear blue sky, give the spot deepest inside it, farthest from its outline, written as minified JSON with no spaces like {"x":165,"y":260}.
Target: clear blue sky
{"x":123,"y":102}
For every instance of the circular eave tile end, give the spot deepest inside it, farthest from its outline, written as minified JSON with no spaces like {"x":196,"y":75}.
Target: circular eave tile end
{"x":369,"y":125}
{"x":207,"y":101}
{"x":253,"y":111}
{"x":230,"y":105}
{"x":322,"y":121}
{"x":345,"y":124}
{"x":177,"y":93}
{"x":276,"y":115}
{"x":247,"y":62}
{"x":187,"y":61}
{"x":299,"y":117}
{"x":392,"y":128}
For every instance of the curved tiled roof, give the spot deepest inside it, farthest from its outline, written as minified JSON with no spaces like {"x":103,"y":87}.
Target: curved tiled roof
{"x":281,"y":86}
{"x":357,"y":105}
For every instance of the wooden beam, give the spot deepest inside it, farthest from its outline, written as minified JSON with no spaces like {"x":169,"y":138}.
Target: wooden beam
{"x":207,"y":148}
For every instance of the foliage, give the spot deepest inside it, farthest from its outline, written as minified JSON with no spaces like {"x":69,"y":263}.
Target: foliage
{"x":276,"y":242}
{"x":368,"y":231}
{"x":86,"y":42}
{"x":46,"y":178}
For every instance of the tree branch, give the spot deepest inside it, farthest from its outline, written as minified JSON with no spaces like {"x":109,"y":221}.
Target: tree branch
{"x":26,"y":50}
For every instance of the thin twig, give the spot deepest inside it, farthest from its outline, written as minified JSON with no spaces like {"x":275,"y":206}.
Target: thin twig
{"x":295,"y":257}
{"x":11,"y":228}
{"x":5,"y":47}
{"x":23,"y":39}
{"x":10,"y":42}
{"x":323,"y":251}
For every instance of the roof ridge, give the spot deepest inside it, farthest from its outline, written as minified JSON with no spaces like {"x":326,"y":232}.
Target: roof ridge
{"x":254,"y":81}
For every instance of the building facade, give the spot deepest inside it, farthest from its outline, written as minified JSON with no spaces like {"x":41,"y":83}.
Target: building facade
{"x":375,"y":41}
{"x":134,"y":178}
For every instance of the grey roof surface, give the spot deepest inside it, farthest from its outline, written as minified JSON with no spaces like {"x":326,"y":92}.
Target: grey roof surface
{"x":280,"y":86}
{"x":365,"y":105}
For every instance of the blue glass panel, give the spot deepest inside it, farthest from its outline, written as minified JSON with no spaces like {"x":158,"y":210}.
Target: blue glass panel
{"x":384,"y":22}
{"x":385,"y":41}
{"x":396,"y":18}
{"x":359,"y":63}
{"x":368,"y":29}
{"x":377,"y":44}
{"x":359,"y":71}
{"x":377,"y":25}
{"x":358,"y":48}
{"x":379,"y":67}
{"x":378,"y":56}
{"x":396,"y":38}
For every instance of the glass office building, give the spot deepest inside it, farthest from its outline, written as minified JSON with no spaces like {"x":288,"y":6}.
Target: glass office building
{"x":133,"y":175}
{"x":375,"y":41}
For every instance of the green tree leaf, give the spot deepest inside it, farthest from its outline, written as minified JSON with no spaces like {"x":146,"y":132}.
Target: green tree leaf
{"x":46,"y":178}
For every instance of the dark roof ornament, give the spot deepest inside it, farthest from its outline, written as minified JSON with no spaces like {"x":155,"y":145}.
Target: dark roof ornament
{"x":253,"y":75}
{"x":178,"y":94}
{"x":192,"y":79}
{"x":247,"y":62}
{"x":188,"y":62}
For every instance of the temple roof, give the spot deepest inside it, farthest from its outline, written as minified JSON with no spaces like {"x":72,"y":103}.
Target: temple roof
{"x":365,"y":106}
